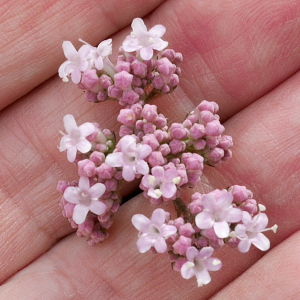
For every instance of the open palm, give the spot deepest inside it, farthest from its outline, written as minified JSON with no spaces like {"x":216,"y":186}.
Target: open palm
{"x":244,"y":55}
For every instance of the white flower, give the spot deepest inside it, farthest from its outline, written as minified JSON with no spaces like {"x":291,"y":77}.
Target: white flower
{"x":100,"y":53}
{"x":143,"y":40}
{"x":250,"y":232}
{"x":77,"y":62}
{"x":153,"y":232}
{"x":86,"y":199}
{"x":199,"y":263}
{"x":75,"y":139}
{"x":131,"y":157}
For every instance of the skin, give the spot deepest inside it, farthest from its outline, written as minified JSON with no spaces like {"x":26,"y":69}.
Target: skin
{"x":242,"y":54}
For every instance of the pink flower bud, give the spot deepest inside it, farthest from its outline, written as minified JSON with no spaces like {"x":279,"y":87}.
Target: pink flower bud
{"x":212,"y":141}
{"x":139,"y":68}
{"x":90,"y":79}
{"x":91,"y":96}
{"x":174,"y":80}
{"x":177,"y":131}
{"x":97,"y":158}
{"x":158,"y":82}
{"x":169,"y":54}
{"x":186,"y":230}
{"x":177,"y":146}
{"x":105,"y":172}
{"x":161,"y":135}
{"x":160,"y":121}
{"x":111,"y":184}
{"x":164,"y":149}
{"x":151,"y":140}
{"x":149,"y":112}
{"x":225,"y":142}
{"x":240,"y":193}
{"x":216,"y":155}
{"x":149,"y":127}
{"x":193,"y":177}
{"x":250,"y":205}
{"x":105,"y":81}
{"x":126,"y":117}
{"x":165,"y":67}
{"x":156,"y":159}
{"x":129,"y":97}
{"x":123,"y":80}
{"x":122,"y":66}
{"x":213,"y":107}
{"x":61,"y":186}
{"x":192,"y":161}
{"x":114,"y":92}
{"x":182,"y":244}
{"x":86,"y":168}
{"x":125,"y":130}
{"x":206,"y":117}
{"x":214,"y":128}
{"x":197,"y":131}
{"x":102,"y":96}
{"x":199,"y":144}
{"x":165,"y":89}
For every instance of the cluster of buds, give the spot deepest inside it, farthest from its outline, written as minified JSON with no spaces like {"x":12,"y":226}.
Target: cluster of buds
{"x":165,"y":157}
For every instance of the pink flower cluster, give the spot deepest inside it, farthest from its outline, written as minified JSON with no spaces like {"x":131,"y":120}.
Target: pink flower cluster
{"x":210,"y":221}
{"x":165,"y":157}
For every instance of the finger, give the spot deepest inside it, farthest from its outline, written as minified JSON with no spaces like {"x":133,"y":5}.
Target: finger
{"x":278,"y":268}
{"x":32,"y":35}
{"x":234,"y":51}
{"x":258,"y":156}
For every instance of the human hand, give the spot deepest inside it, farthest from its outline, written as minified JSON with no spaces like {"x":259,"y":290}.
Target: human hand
{"x":244,"y":56}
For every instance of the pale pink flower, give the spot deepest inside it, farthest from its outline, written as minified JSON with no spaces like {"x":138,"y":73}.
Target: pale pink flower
{"x":199,"y":263}
{"x":153,"y":232}
{"x":218,"y":212}
{"x":77,"y":62}
{"x":143,"y":40}
{"x":100,"y":53}
{"x":86,"y":198}
{"x":75,"y":139}
{"x":161,"y":182}
{"x":250,"y":232}
{"x":130,"y":156}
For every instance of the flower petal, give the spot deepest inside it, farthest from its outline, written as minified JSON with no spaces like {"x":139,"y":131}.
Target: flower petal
{"x":157,"y":31}
{"x":233,"y":215}
{"x":98,"y":207}
{"x":71,"y":153}
{"x":140,"y":222}
{"x":69,"y":50}
{"x":84,"y":146}
{"x":221,"y":229}
{"x":69,"y":123}
{"x":144,"y":243}
{"x":204,"y":220}
{"x":97,"y":190}
{"x":71,"y":194}
{"x":115,"y":159}
{"x":84,"y":183}
{"x":160,"y":245}
{"x":261,"y":242}
{"x":128,"y":173}
{"x":158,"y":216}
{"x":79,"y":213}
{"x":146,"y":53}
{"x":86,"y":129}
